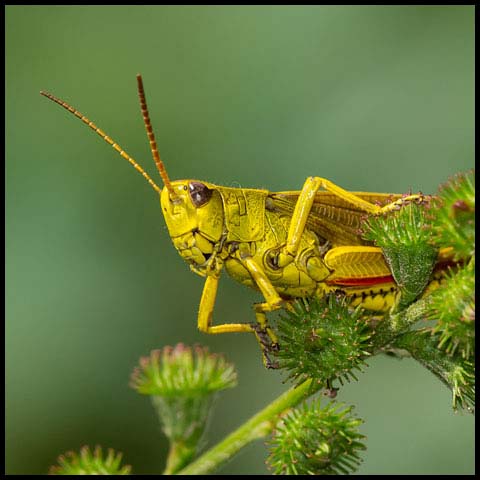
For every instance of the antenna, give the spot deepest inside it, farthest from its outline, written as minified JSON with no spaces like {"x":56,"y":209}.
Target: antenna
{"x":151,"y":137}
{"x":105,"y":137}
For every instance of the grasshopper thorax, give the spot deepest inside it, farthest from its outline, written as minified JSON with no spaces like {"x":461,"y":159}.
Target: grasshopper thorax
{"x":194,"y":217}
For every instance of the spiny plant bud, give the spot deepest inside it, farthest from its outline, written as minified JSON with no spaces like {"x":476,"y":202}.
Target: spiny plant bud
{"x":323,"y":340}
{"x":453,"y":309}
{"x":311,"y":440}
{"x":183,"y":371}
{"x":88,"y":463}
{"x":182,"y":383}
{"x":454,"y":216}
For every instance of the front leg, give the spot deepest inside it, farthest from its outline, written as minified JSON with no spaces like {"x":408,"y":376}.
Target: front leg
{"x":264,"y":334}
{"x":205,"y":312}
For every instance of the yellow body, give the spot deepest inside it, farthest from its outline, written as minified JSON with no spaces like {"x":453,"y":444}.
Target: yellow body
{"x":239,"y":223}
{"x":284,"y":244}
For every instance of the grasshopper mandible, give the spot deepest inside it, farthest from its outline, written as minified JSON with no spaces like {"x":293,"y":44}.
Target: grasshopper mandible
{"x":285,"y":244}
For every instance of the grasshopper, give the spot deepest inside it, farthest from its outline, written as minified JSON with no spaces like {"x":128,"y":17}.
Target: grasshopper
{"x":284,"y":244}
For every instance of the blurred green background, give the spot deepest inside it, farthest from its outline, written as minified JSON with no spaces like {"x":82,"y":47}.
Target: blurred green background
{"x":372,"y":98}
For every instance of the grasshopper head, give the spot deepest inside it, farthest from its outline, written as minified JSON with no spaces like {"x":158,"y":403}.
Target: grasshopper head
{"x":193,"y":212}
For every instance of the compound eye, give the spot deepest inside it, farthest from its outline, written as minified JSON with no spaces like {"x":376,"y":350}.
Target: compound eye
{"x":200,"y":194}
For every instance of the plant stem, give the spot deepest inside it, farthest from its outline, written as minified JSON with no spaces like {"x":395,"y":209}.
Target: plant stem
{"x":178,"y":456}
{"x":398,"y":323}
{"x":256,"y":427}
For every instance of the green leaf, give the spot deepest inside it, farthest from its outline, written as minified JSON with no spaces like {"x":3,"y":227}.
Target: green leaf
{"x":405,"y":237}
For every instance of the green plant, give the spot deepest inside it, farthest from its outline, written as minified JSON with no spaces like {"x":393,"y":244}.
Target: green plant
{"x":325,"y":343}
